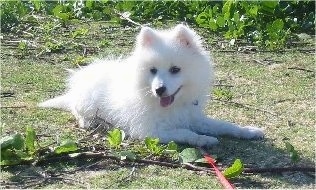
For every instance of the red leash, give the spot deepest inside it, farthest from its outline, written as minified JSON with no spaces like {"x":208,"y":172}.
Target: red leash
{"x":221,"y":177}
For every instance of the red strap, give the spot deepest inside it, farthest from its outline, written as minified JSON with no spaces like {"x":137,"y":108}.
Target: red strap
{"x":221,"y":177}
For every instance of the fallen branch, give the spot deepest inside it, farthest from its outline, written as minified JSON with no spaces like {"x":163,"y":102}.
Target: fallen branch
{"x":103,"y":155}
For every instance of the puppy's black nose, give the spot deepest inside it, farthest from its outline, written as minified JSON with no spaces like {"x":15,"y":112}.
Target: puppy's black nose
{"x":160,"y":90}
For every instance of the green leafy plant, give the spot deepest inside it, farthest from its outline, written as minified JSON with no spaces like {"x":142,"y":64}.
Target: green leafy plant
{"x":16,"y":148}
{"x":115,"y":138}
{"x":15,"y":141}
{"x":11,"y":14}
{"x":53,"y":47}
{"x":30,"y":140}
{"x":80,"y":32}
{"x":295,"y":157}
{"x":234,"y":170}
{"x":153,"y":146}
{"x":104,"y":43}
{"x":19,"y":147}
{"x":23,"y":48}
{"x":268,"y":24}
{"x":259,"y":22}
{"x":172,"y":147}
{"x":190,"y":155}
{"x":66,"y":146}
{"x":62,"y":11}
{"x":80,"y":60}
{"x":223,"y":94}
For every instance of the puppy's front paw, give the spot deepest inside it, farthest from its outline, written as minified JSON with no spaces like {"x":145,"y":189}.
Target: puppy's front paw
{"x":249,"y":132}
{"x":206,"y":141}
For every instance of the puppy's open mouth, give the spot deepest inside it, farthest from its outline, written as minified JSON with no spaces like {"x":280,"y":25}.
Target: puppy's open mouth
{"x":168,"y":100}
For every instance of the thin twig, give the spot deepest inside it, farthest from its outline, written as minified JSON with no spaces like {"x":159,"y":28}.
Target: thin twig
{"x":8,"y":107}
{"x":224,"y":85}
{"x":6,"y":94}
{"x":301,"y":69}
{"x":259,"y":62}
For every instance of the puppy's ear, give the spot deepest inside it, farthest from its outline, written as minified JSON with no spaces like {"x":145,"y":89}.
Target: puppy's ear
{"x":186,"y":37}
{"x":146,"y":37}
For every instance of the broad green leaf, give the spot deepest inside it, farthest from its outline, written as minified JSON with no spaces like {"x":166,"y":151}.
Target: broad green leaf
{"x":253,"y":11}
{"x":220,"y":21}
{"x":37,"y":4}
{"x":115,"y":137}
{"x":66,"y":147}
{"x":172,"y":147}
{"x":9,"y":157}
{"x":30,"y":138}
{"x":58,"y":9}
{"x":89,"y":4}
{"x":278,"y":25}
{"x":202,"y":18}
{"x":212,"y":24}
{"x":270,"y":4}
{"x":58,"y":12}
{"x":15,"y":141}
{"x":190,"y":155}
{"x":23,"y":155}
{"x":152,"y":144}
{"x":227,"y":8}
{"x":234,"y":170}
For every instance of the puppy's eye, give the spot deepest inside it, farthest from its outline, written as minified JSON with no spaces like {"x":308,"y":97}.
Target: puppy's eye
{"x":153,"y":70}
{"x":174,"y":70}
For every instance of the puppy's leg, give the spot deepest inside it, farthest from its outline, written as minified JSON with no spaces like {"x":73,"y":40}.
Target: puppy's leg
{"x":184,"y":136}
{"x":217,"y":127}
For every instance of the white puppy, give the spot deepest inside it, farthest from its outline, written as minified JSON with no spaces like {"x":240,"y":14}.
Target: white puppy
{"x":160,"y":90}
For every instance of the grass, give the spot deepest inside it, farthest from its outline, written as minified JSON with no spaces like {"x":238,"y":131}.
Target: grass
{"x":259,"y":89}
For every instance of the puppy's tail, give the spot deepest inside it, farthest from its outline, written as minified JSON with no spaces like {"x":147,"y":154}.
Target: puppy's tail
{"x":59,"y":102}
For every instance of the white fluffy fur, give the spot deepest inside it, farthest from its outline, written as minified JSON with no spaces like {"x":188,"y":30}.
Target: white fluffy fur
{"x":123,"y":91}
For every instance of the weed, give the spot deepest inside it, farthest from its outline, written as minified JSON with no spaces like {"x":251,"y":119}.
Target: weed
{"x":23,"y":48}
{"x":115,"y":138}
{"x":79,"y":32}
{"x":223,"y":94}
{"x":53,"y":47}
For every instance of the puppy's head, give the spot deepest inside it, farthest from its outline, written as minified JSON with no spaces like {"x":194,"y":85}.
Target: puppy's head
{"x":172,"y":64}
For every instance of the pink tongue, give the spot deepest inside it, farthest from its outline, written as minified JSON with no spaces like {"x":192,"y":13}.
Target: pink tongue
{"x":166,"y":101}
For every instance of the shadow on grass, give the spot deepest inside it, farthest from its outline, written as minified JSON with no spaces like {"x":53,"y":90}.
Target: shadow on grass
{"x":263,"y":154}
